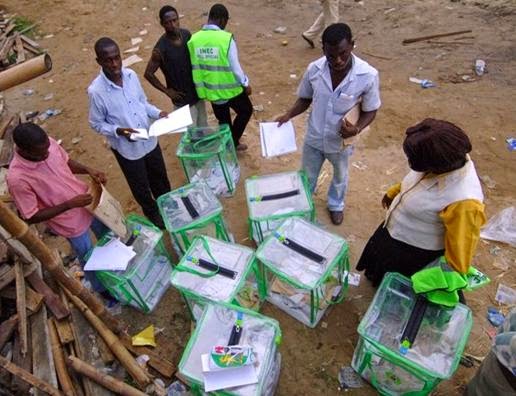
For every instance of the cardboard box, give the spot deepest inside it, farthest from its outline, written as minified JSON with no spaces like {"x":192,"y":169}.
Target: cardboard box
{"x":107,"y":209}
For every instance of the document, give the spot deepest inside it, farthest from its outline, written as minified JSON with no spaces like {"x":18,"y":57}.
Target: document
{"x":226,"y":378}
{"x":107,"y":209}
{"x":352,"y":116}
{"x":113,"y":256}
{"x":175,"y":122}
{"x":277,"y":140}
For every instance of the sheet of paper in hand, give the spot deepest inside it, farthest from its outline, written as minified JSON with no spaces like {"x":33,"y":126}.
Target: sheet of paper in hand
{"x":175,"y":122}
{"x":277,"y":140}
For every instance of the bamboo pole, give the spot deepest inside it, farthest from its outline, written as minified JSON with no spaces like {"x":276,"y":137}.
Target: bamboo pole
{"x":18,"y":229}
{"x":432,"y":36}
{"x":28,"y":377}
{"x":112,"y":341}
{"x":25,"y":71}
{"x":59,"y":358}
{"x":100,"y":378}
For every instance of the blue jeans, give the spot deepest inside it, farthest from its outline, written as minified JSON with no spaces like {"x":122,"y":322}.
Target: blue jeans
{"x":312,"y":162}
{"x":82,"y":244}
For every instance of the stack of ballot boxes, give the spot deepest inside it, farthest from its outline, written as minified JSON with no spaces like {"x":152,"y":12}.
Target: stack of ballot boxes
{"x":208,"y":153}
{"x":305,"y":269}
{"x":145,"y":280}
{"x":256,"y":360}
{"x":381,"y":356}
{"x":189,"y":211}
{"x":213,"y":270}
{"x":273,"y":198}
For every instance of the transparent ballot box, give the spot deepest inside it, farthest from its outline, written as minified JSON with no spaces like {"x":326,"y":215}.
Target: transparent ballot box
{"x":273,"y":198}
{"x":434,"y":354}
{"x":208,"y":153}
{"x":305,"y":269}
{"x":189,"y":211}
{"x":213,"y":270}
{"x":216,"y":327}
{"x":145,"y":280}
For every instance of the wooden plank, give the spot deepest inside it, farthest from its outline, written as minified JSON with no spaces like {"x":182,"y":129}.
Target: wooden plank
{"x":105,"y":353}
{"x":432,"y":36}
{"x":34,"y":300}
{"x":8,"y":276}
{"x":76,"y":379}
{"x":30,"y":48}
{"x":84,"y":334}
{"x":27,"y":40}
{"x":161,"y":365}
{"x":65,"y":380}
{"x":6,"y":47}
{"x":64,"y":331}
{"x":20,"y":52}
{"x":52,"y":300}
{"x":7,"y":328}
{"x":42,"y":360}
{"x":43,"y":387}
{"x":21,"y":306}
{"x":25,"y":362}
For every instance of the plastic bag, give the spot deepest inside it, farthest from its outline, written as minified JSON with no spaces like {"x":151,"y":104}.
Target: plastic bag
{"x":501,"y":227}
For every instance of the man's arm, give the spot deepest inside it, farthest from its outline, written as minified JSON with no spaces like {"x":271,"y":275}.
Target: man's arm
{"x":53,"y":211}
{"x":150,"y":76}
{"x":236,"y":68}
{"x":348,"y":129}
{"x":80,"y":169}
{"x":299,"y":107}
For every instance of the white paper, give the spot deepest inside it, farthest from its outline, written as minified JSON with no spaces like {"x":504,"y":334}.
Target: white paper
{"x":275,"y":185}
{"x":277,"y":140}
{"x":175,"y":122}
{"x":228,"y":378}
{"x":114,"y":256}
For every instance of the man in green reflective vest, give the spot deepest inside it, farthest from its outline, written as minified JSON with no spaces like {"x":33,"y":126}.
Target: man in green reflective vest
{"x":217,"y":74}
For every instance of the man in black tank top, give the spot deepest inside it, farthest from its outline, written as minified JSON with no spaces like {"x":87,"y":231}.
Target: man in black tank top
{"x":170,"y":54}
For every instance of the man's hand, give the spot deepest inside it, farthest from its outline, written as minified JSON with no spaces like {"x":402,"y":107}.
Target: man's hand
{"x":348,"y":129}
{"x":174,"y":95}
{"x":163,"y":114}
{"x":248,"y":90}
{"x":386,"y":201}
{"x":98,"y":176}
{"x":125,"y":132}
{"x":79,"y":201}
{"x":282,"y":119}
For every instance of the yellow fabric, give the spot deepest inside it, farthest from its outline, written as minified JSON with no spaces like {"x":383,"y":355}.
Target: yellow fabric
{"x":462,"y":221}
{"x":393,"y":190}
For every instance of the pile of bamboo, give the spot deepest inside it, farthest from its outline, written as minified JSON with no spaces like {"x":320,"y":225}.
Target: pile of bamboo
{"x":56,"y":337}
{"x":15,"y":46}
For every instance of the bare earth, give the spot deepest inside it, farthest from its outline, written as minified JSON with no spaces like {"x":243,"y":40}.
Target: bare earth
{"x":484,"y":108}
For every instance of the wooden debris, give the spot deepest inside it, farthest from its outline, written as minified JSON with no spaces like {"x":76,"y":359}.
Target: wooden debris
{"x":6,"y":329}
{"x":125,"y":358}
{"x":28,"y":377}
{"x":20,"y":52}
{"x":59,"y":358}
{"x":105,"y":380}
{"x":13,"y":44}
{"x":52,"y":300}
{"x":33,"y":299}
{"x":21,"y":306}
{"x":25,"y":362}
{"x":432,"y":36}
{"x":83,"y":349}
{"x":19,"y":231}
{"x":161,"y":365}
{"x":7,"y":274}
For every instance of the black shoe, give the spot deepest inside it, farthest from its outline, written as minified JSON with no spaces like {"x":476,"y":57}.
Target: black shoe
{"x":336,"y":216}
{"x":310,"y":42}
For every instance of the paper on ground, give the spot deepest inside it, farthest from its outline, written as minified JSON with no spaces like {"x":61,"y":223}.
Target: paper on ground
{"x":277,"y":140}
{"x":113,"y":256}
{"x":228,"y":378}
{"x":175,"y":122}
{"x":131,"y":60}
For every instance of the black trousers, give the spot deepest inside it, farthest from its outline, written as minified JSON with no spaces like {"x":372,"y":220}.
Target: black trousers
{"x":243,"y":108}
{"x":147,"y":179}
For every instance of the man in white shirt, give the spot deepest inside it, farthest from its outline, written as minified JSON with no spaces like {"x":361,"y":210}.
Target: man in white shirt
{"x":333,"y":85}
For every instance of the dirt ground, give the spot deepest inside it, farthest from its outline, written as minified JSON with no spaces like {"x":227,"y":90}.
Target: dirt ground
{"x":483,"y":107}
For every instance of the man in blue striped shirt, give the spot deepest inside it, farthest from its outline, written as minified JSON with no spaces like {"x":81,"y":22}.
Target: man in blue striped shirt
{"x":118,"y":106}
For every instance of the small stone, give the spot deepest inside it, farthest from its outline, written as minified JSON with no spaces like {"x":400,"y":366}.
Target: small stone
{"x":143,"y":32}
{"x":293,"y":76}
{"x":76,"y":140}
{"x":258,"y":108}
{"x":284,"y":43}
{"x":324,"y":325}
